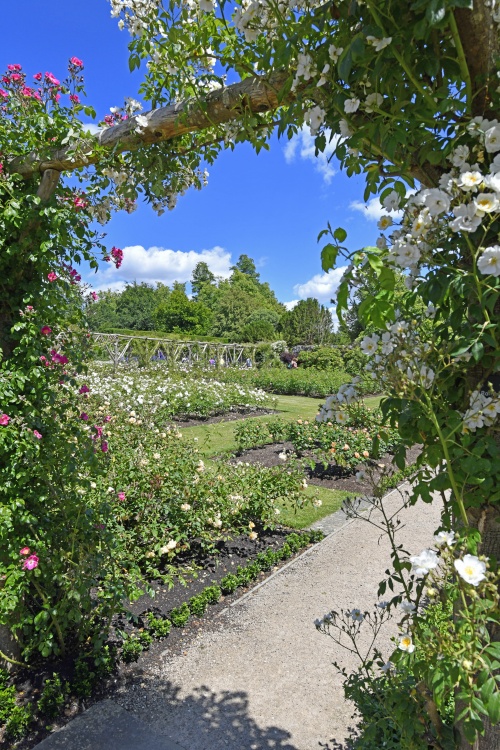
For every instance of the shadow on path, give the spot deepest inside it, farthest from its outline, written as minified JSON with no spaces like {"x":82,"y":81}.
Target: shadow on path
{"x":203,"y":720}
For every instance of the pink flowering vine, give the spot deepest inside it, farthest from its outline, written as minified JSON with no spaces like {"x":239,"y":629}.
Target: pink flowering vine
{"x":4,"y":419}
{"x":37,"y":434}
{"x":31,"y":562}
{"x":104,"y":446}
{"x":52,"y":276}
{"x":45,"y":330}
{"x":121,"y":496}
{"x":50,"y":78}
{"x":59,"y":359}
{"x":84,"y":389}
{"x":84,"y":416}
{"x":117,"y":256}
{"x":24,"y":551}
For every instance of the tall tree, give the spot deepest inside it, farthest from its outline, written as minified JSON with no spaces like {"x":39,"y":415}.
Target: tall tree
{"x":246,"y":265}
{"x":307,"y":323}
{"x":201,"y":275}
{"x":135,"y":307}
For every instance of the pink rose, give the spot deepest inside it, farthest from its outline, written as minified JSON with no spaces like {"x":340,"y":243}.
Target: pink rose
{"x":3,"y":93}
{"x":74,"y":98}
{"x":84,"y":416}
{"x":79,"y":202}
{"x":94,"y":296}
{"x":52,"y":79}
{"x":84,"y":389}
{"x":37,"y":76}
{"x":52,"y":276}
{"x":4,"y":419}
{"x":76,"y":61}
{"x":30,"y":563}
{"x":45,"y":330}
{"x":14,"y":66}
{"x":107,"y":418}
{"x":37,"y":434}
{"x":121,"y":496}
{"x":59,"y":359}
{"x":104,"y":446}
{"x":24,"y":551}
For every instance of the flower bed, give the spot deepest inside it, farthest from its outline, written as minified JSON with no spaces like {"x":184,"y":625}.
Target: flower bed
{"x":154,"y":390}
{"x":359,"y":440}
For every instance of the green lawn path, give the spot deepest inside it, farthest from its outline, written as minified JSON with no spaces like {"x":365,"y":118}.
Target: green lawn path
{"x":214,"y":439}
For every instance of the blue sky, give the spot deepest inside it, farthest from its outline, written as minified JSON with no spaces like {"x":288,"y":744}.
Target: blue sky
{"x":270,"y":206}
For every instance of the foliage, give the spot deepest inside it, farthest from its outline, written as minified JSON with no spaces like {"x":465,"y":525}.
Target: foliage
{"x":323,"y":358}
{"x":53,"y":697}
{"x":431,"y":73}
{"x":288,"y":382}
{"x":201,"y":275}
{"x":307,"y":323}
{"x":182,"y":315}
{"x":358,"y":441}
{"x":162,"y":394}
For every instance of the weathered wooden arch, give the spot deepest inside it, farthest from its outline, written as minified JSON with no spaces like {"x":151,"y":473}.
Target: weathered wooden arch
{"x":118,"y":348}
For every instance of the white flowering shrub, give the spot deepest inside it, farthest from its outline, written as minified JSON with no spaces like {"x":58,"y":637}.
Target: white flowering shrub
{"x":156,"y":392}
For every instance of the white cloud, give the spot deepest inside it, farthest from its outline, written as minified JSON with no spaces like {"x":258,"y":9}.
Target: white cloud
{"x":303,"y":142}
{"x":322,"y":286}
{"x":159,"y":264}
{"x":373,"y":210}
{"x":92,"y":128}
{"x":290,"y":305}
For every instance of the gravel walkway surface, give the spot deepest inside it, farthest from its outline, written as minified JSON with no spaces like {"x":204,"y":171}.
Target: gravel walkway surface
{"x":261,"y":675}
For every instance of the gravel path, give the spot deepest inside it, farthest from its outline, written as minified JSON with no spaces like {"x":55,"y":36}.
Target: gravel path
{"x":261,"y":675}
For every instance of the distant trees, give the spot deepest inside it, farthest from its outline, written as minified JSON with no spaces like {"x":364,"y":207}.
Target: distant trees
{"x":136,"y":305}
{"x":246,"y":265}
{"x":179,"y":314}
{"x":307,"y":323}
{"x":202,"y":275}
{"x":240,"y":307}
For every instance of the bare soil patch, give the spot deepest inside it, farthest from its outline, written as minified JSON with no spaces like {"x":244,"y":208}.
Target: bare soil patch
{"x":333,"y":477}
{"x":227,"y":417}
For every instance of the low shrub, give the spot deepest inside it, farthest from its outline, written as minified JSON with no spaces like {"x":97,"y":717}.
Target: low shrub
{"x":322,"y":358}
{"x":53,"y":697}
{"x":198,"y":605}
{"x":159,"y":627}
{"x":180,"y":615}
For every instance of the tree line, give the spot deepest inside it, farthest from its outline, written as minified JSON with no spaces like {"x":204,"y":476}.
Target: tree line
{"x":240,"y":308}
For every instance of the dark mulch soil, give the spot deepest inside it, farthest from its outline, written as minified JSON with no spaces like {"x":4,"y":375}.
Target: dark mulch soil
{"x":227,"y":417}
{"x":334,"y":477}
{"x":230,"y":553}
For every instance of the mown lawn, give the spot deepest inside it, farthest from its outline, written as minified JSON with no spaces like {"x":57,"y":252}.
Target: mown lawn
{"x":304,"y":517}
{"x":214,"y":439}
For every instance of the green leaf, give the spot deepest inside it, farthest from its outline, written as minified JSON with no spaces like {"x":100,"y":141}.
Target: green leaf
{"x":340,"y":234}
{"x":477,"y":350}
{"x":329,"y":256}
{"x":345,"y":64}
{"x":493,"y":707}
{"x":436,"y":11}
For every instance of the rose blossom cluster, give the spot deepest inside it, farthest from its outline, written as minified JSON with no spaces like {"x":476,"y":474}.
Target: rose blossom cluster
{"x":30,"y":561}
{"x":468,"y":197}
